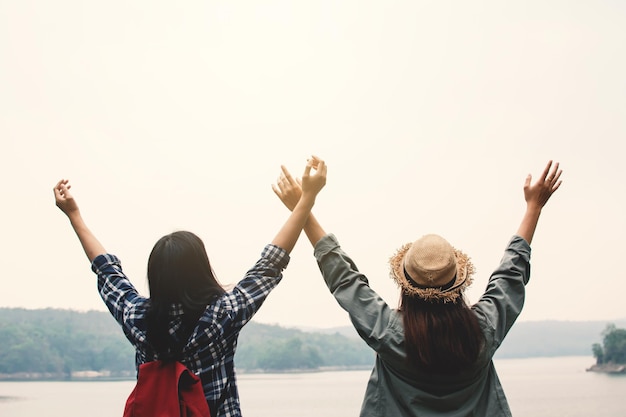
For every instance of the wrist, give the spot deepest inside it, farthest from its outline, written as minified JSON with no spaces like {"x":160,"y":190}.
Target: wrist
{"x":74,"y":216}
{"x":533,"y":209}
{"x":307,"y":200}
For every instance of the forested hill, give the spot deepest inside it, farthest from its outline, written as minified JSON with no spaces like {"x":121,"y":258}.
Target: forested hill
{"x":52,"y":343}
{"x":553,"y":338}
{"x":56,"y":343}
{"x":542,"y":338}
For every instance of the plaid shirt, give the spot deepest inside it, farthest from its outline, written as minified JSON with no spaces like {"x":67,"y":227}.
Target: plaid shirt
{"x":211,"y":347}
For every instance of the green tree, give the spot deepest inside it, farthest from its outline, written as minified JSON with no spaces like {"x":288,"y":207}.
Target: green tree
{"x":598,"y":353}
{"x":614,"y":344}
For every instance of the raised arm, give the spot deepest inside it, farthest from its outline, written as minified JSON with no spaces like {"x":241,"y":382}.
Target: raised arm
{"x":536,"y":196}
{"x":289,"y":190}
{"x":368,"y":312}
{"x":65,"y":201}
{"x":312,"y":183}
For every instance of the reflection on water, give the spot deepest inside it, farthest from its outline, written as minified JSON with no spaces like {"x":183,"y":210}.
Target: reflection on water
{"x":535,"y":387}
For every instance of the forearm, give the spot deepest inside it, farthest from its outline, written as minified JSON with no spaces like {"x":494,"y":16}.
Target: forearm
{"x":89,"y":242}
{"x":313,"y":230}
{"x":529,"y":222}
{"x":289,"y":233}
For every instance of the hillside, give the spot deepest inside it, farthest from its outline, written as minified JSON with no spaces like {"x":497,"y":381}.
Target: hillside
{"x":270,"y":347}
{"x":55,"y":343}
{"x":52,"y":343}
{"x":553,"y":338}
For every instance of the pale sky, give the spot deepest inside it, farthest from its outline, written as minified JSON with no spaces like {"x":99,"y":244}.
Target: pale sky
{"x":430,"y":114}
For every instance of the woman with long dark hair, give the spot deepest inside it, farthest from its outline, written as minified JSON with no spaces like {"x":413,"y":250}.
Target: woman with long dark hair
{"x":189,"y":317}
{"x":434,"y":353}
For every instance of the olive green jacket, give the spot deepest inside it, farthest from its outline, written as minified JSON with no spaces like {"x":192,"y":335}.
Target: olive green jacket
{"x":394,"y":388}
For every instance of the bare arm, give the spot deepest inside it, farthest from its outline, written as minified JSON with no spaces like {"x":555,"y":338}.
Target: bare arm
{"x":289,"y":190}
{"x":313,"y":230}
{"x":65,"y":201}
{"x":301,"y":209}
{"x":536,"y":196}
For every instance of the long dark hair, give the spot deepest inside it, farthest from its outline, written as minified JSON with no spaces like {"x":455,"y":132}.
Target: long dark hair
{"x":178,"y":272}
{"x":440,"y":337}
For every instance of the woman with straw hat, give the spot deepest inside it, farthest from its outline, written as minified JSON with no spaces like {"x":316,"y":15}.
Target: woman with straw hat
{"x":433,"y":354}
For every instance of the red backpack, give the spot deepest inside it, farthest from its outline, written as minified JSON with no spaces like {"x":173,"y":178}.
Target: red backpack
{"x":166,"y":389}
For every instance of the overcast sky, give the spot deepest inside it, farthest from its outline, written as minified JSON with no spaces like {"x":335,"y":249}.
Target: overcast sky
{"x":430,"y":114}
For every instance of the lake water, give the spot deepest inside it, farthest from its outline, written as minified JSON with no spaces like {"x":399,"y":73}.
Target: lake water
{"x":535,"y":387}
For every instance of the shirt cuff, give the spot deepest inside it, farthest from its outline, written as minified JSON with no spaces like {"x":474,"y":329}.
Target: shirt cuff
{"x":519,"y":245}
{"x":325,"y":245}
{"x":276,"y":256}
{"x":100,"y":262}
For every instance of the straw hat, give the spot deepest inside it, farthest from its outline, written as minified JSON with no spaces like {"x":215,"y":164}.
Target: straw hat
{"x":430,"y":268}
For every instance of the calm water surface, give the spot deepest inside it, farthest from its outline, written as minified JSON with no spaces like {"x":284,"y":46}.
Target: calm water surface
{"x":536,"y":387}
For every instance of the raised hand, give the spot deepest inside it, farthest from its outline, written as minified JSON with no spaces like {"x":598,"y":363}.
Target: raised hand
{"x":290,"y":190}
{"x":299,"y":197}
{"x":67,"y":204}
{"x":538,"y":194}
{"x":313,"y":183}
{"x":64,"y":199}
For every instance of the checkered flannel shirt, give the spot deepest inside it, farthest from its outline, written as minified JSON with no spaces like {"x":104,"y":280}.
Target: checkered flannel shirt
{"x":211,"y":348}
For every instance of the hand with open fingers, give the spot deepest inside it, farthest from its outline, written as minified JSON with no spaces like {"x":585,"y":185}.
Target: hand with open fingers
{"x":539,"y":193}
{"x":63,"y":197}
{"x":288,"y":189}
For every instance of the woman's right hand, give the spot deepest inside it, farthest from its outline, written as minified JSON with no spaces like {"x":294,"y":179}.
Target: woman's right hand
{"x":538,"y":194}
{"x":64,"y":199}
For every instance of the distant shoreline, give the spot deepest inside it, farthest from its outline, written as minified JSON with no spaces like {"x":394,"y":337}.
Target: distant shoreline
{"x":80,"y":376}
{"x":86,"y":376}
{"x":244,"y":371}
{"x":608,"y":368}
{"x":83,"y":376}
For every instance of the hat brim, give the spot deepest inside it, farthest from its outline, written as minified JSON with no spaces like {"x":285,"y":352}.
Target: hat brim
{"x":464,"y":277}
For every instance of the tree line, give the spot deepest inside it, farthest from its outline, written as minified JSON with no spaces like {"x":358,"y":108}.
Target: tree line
{"x":271,"y":347}
{"x":55,"y":343}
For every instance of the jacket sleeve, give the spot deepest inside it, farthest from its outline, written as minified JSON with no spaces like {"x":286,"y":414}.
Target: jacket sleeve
{"x":368,"y":312}
{"x":503,"y":299}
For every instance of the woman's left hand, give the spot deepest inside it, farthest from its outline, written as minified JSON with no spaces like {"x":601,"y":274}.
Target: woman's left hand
{"x":288,"y":189}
